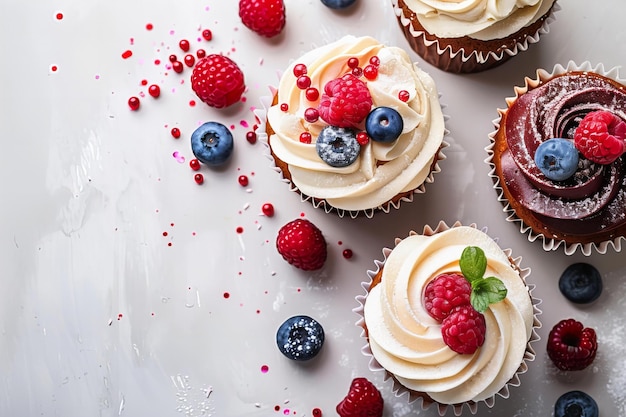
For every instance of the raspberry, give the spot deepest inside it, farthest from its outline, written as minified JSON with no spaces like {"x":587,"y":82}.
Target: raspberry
{"x":346,"y":102}
{"x":265,"y":17}
{"x":446,"y":292}
{"x":218,"y":81}
{"x":302,"y":244}
{"x":363,"y":400}
{"x":600,"y":137}
{"x":571,"y":346}
{"x":464,"y":329}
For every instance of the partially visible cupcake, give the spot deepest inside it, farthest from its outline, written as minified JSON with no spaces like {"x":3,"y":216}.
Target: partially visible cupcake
{"x":355,"y":127}
{"x":473,"y":36}
{"x":557,"y":158}
{"x":419,"y":335}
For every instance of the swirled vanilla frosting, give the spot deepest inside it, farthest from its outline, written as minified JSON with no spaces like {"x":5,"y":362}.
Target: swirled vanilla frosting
{"x":382,"y":170}
{"x":407,"y":341}
{"x":478,"y":19}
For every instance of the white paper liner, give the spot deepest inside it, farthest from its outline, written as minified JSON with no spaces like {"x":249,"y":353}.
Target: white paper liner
{"x":261,"y":115}
{"x":401,"y":391}
{"x":479,"y":56}
{"x":549,"y":243}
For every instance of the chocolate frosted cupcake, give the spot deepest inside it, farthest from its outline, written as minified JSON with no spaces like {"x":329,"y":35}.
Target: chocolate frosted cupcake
{"x":472,"y":36}
{"x":557,"y":158}
{"x":452,"y":352}
{"x":355,"y":127}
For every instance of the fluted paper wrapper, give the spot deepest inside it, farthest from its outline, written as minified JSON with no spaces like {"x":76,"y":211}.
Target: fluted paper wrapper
{"x":422,"y":398}
{"x":549,"y":243}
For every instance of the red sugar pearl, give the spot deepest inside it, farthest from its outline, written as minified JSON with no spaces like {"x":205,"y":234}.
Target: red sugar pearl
{"x":268,"y":209}
{"x":207,"y":34}
{"x":200,"y":53}
{"x":175,"y":132}
{"x":251,"y":137}
{"x":177,"y":66}
{"x":194,"y":164}
{"x":312,"y":94}
{"x":305,"y":137}
{"x":184,"y":44}
{"x":154,"y":90}
{"x":316,"y":412}
{"x":353,"y":62}
{"x":370,"y":72}
{"x":357,"y":72}
{"x":198,"y":178}
{"x":347,"y":253}
{"x":133,"y":103}
{"x":303,"y":82}
{"x":173,"y":58}
{"x":403,"y":95}
{"x":299,"y":70}
{"x":311,"y":115}
{"x":375,"y":61}
{"x":284,"y":107}
{"x":362,"y":138}
{"x":243,"y":180}
{"x":190,"y":60}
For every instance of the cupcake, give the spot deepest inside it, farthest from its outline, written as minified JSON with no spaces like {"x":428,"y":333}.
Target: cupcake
{"x":472,"y":36}
{"x":556,"y":158}
{"x":409,"y":324}
{"x":355,"y":127}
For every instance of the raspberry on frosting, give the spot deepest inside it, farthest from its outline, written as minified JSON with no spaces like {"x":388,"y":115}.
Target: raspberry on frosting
{"x":346,"y":102}
{"x":446,"y":292}
{"x":601,"y":137}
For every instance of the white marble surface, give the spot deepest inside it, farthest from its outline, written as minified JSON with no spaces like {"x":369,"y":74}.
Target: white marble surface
{"x":102,"y":314}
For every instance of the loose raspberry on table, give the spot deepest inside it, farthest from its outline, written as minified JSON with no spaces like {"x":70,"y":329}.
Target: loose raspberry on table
{"x":571,"y":345}
{"x":218,"y":81}
{"x":363,"y":400}
{"x":464,"y":329}
{"x":265,"y":17}
{"x":444,"y":293}
{"x":601,"y":137}
{"x":302,"y":244}
{"x":346,"y":102}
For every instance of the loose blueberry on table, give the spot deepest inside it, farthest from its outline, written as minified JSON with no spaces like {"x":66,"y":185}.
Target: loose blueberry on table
{"x":581,"y":283}
{"x":300,"y":338}
{"x":212,"y":143}
{"x":576,"y":404}
{"x":338,"y":4}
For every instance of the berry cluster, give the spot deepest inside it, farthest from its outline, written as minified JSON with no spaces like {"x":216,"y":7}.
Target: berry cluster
{"x":572,"y":346}
{"x":447,"y":299}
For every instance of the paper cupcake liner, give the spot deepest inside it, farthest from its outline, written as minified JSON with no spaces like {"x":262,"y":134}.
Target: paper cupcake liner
{"x":548,"y":243}
{"x":421,"y":398}
{"x":262,"y":136}
{"x":465,"y":60}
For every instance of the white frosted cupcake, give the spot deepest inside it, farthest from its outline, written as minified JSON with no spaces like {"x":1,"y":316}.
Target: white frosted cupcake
{"x":472,"y":36}
{"x":355,"y":127}
{"x":585,"y":210}
{"x":409,"y":340}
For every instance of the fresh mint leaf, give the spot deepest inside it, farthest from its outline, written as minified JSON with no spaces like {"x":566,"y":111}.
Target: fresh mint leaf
{"x":473,"y":263}
{"x":487,"y":291}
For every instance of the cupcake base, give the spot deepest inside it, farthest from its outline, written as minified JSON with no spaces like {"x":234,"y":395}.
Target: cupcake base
{"x":466,"y":54}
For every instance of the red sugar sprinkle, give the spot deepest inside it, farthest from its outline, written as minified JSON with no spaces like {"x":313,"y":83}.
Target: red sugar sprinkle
{"x":59,"y":16}
{"x":239,"y":229}
{"x":347,"y":253}
{"x":226,"y":295}
{"x":149,"y":26}
{"x":127,"y":54}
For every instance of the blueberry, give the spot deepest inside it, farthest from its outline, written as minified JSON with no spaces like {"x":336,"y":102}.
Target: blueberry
{"x":581,"y":283}
{"x":337,"y":146}
{"x":212,"y":143}
{"x":557,"y":158}
{"x":300,"y":338}
{"x":384,"y":124}
{"x":338,"y":4}
{"x":575,"y":404}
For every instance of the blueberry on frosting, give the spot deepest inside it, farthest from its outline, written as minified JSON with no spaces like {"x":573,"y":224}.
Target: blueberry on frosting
{"x":557,"y":158}
{"x":337,"y":146}
{"x":300,"y":338}
{"x":384,"y":124}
